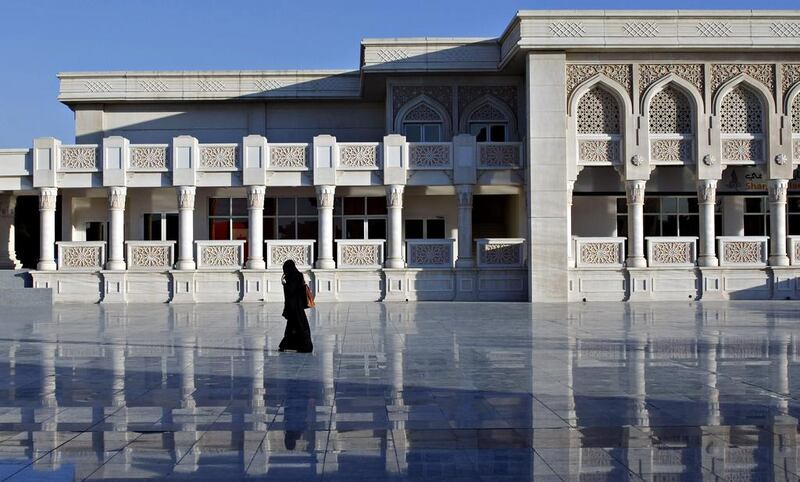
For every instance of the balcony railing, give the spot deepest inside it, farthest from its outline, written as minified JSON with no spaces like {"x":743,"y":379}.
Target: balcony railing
{"x":288,"y":157}
{"x":599,"y":252}
{"x":300,"y":251}
{"x":220,"y":254}
{"x":150,"y":255}
{"x":499,"y":155}
{"x":742,"y":250}
{"x":501,"y":252}
{"x":430,"y":253}
{"x":359,"y":253}
{"x":78,"y":158}
{"x":219,"y":157}
{"x":793,"y":245}
{"x":149,"y":157}
{"x":672,"y":251}
{"x":81,"y":255}
{"x":430,"y":155}
{"x":359,"y":156}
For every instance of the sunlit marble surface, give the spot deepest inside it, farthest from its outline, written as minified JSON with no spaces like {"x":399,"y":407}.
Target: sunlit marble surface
{"x":428,"y":391}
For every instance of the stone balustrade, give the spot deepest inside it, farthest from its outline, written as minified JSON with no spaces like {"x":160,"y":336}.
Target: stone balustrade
{"x":301,"y":251}
{"x":500,"y":155}
{"x":150,"y":255}
{"x":430,"y":253}
{"x":671,"y":251}
{"x":599,"y":252}
{"x":218,"y":157}
{"x":78,"y":158}
{"x":742,"y":250}
{"x":81,"y":255}
{"x":357,"y":156}
{"x":219,"y":254}
{"x":149,"y":158}
{"x":360,"y":253}
{"x":794,"y":250}
{"x":501,"y":252}
{"x":430,"y":155}
{"x":288,"y":157}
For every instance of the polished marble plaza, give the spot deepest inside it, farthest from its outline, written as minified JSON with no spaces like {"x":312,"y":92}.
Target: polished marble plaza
{"x":428,"y":391}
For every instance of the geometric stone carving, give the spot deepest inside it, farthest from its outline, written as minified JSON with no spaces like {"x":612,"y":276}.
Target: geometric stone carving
{"x":741,"y":112}
{"x":430,"y":253}
{"x":714,"y":29}
{"x":796,"y":150}
{"x":641,"y":29}
{"x":507,"y":94}
{"x":796,"y":115}
{"x":422,"y":113}
{"x":301,"y":254}
{"x":671,"y":150}
{"x":155,"y":255}
{"x":218,"y":157}
{"x":670,"y":112}
{"x":651,"y":73}
{"x":505,"y":156}
{"x":742,"y":252}
{"x":578,"y":73}
{"x":81,"y":255}
{"x":287,"y":157}
{"x":402,"y":94}
{"x":219,"y":255}
{"x":764,"y":73}
{"x":501,"y":252}
{"x":358,"y":155}
{"x":600,"y":253}
{"x":360,"y":254}
{"x":790,"y":77}
{"x":566,"y":29}
{"x":599,"y":151}
{"x":78,"y":157}
{"x":487,"y":112}
{"x":148,"y":157}
{"x":742,"y":150}
{"x":598,"y":113}
{"x":429,"y":155}
{"x":785,"y":29}
{"x":671,"y":252}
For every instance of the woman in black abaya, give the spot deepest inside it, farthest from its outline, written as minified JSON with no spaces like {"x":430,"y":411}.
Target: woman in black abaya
{"x":297,"y":336}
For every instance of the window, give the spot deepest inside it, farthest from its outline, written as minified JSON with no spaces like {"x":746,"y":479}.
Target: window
{"x":424,"y":228}
{"x":227,"y":218}
{"x":488,"y":132}
{"x":756,"y":216}
{"x":360,"y":218}
{"x":290,"y":218}
{"x":793,"y":213}
{"x":422,"y":132}
{"x":667,"y":216}
{"x":96,"y":231}
{"x":161,"y":226}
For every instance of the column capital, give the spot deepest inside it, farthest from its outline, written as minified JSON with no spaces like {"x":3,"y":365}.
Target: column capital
{"x":255,"y":197}
{"x":464,"y":192}
{"x":325,"y":195}
{"x":394,"y":195}
{"x":47,"y":198}
{"x":707,"y":191}
{"x":186,"y":197}
{"x":635,"y":191}
{"x":777,"y":190}
{"x":116,"y":197}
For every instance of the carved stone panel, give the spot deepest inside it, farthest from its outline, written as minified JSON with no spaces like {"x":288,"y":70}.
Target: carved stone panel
{"x":672,"y":252}
{"x":358,"y":156}
{"x":742,"y":150}
{"x":600,"y":253}
{"x":82,"y":257}
{"x":651,"y":73}
{"x":361,"y":255}
{"x":148,"y":157}
{"x":218,"y":157}
{"x":507,"y":94}
{"x":149,"y":257}
{"x":78,"y":158}
{"x":288,"y":157}
{"x":742,"y":252}
{"x":220,"y":256}
{"x":430,"y":255}
{"x":670,"y":112}
{"x":764,"y":73}
{"x":599,"y":151}
{"x":504,"y":156}
{"x":501,"y":254}
{"x":402,"y":94}
{"x":672,"y":150}
{"x":579,"y":73}
{"x":431,"y":156}
{"x":299,"y":253}
{"x":598,"y":113}
{"x":741,"y":112}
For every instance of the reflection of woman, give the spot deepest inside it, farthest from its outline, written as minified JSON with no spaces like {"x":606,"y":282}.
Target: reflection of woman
{"x":297,"y":336}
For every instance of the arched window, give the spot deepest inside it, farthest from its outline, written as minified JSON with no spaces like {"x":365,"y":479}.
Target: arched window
{"x":423,"y":123}
{"x":671,"y":127}
{"x":599,"y":127}
{"x":742,"y":126}
{"x":488,"y":124}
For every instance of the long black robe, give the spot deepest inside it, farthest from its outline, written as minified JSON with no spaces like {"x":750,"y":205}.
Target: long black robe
{"x":297,"y":335}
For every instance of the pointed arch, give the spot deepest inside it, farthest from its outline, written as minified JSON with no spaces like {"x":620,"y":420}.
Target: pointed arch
{"x":792,"y":107}
{"x":433,"y":105}
{"x":743,"y":134}
{"x":686,"y":87}
{"x":493,"y":103}
{"x":601,"y":80}
{"x":761,"y":91}
{"x":672,"y":133}
{"x":598,"y":132}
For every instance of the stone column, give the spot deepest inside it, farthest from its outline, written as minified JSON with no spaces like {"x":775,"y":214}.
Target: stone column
{"x":464,"y":260}
{"x":325,"y":210}
{"x":706,"y":199}
{"x":777,"y":222}
{"x":635,"y":192}
{"x":186,"y":223}
{"x":394,"y":204}
{"x":255,"y":227}
{"x":47,"y":228}
{"x":8,"y":254}
{"x":116,"y":229}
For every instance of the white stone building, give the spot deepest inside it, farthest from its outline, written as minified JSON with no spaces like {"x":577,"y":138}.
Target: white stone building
{"x":589,"y":155}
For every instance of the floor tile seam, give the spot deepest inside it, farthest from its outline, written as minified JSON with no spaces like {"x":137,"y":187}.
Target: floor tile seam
{"x":81,"y":432}
{"x":541,"y":457}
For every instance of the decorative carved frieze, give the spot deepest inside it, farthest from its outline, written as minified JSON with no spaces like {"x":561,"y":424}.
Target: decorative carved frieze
{"x":148,"y":157}
{"x":651,"y":73}
{"x":764,"y":73}
{"x":579,"y":73}
{"x":487,"y":112}
{"x":429,"y":155}
{"x":78,"y":158}
{"x":150,"y":256}
{"x":430,"y":254}
{"x":423,"y":112}
{"x":600,"y":253}
{"x":219,"y":256}
{"x":598,"y":113}
{"x":714,"y":29}
{"x":672,"y":150}
{"x":116,"y":197}
{"x":47,"y":198}
{"x":218,"y":157}
{"x":186,"y":197}
{"x":672,"y":252}
{"x":288,"y":157}
{"x":790,"y":77}
{"x":507,"y":94}
{"x":299,"y":253}
{"x":739,"y":150}
{"x":358,"y":156}
{"x":785,"y":29}
{"x":361,"y":255}
{"x":501,"y":155}
{"x":402,"y":94}
{"x":566,"y":29}
{"x":599,"y":151}
{"x":641,"y":29}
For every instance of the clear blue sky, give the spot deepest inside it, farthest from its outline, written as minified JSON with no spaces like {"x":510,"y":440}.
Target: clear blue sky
{"x":39,"y":38}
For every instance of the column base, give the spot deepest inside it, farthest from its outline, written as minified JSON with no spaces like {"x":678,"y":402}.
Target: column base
{"x":636,"y":262}
{"x":46,"y":266}
{"x":182,"y":287}
{"x":779,"y":260}
{"x":115,"y":265}
{"x":256,"y":264}
{"x":114,"y":287}
{"x":185,"y":265}
{"x":394,"y":263}
{"x":707,"y":261}
{"x":325,"y":264}
{"x":254,"y":285}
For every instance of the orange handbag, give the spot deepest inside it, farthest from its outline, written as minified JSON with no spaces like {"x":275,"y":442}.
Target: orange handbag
{"x":309,"y":298}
